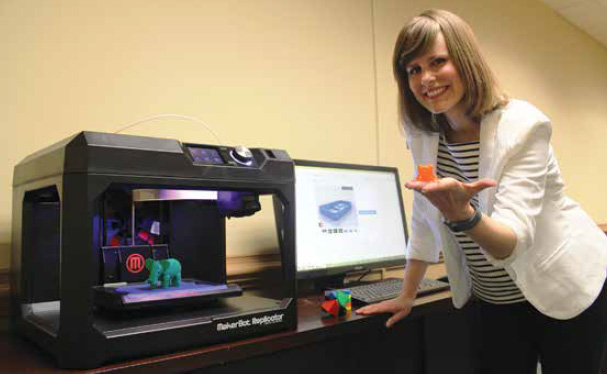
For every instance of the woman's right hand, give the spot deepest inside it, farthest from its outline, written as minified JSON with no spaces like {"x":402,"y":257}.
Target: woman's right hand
{"x":400,"y":307}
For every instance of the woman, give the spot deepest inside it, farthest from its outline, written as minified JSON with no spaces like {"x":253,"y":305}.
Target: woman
{"x":526,"y":258}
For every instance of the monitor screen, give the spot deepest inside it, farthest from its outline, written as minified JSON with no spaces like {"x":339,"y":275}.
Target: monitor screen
{"x":348,"y":217}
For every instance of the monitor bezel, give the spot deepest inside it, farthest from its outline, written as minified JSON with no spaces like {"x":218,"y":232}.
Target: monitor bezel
{"x":344,"y":270}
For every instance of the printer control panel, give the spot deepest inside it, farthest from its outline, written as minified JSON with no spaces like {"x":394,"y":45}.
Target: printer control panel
{"x":238,"y":156}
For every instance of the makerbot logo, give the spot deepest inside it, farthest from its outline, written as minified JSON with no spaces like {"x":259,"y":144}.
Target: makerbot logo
{"x":135,"y":263}
{"x":255,"y":321}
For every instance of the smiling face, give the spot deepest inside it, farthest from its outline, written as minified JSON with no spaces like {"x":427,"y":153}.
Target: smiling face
{"x":435,"y":81}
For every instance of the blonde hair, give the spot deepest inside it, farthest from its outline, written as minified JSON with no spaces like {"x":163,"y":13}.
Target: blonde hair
{"x":481,"y":92}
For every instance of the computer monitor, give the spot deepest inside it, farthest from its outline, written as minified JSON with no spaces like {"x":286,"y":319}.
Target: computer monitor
{"x":348,"y":218}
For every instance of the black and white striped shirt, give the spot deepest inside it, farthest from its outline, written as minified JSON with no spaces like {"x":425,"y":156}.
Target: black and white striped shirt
{"x":489,"y":283}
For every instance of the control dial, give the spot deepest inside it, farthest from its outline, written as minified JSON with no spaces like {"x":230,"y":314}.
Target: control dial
{"x":242,"y":155}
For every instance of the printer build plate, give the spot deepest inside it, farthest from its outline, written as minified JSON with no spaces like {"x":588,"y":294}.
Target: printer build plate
{"x":139,"y":295}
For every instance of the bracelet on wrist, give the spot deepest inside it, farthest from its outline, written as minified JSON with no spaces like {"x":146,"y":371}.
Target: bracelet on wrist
{"x":464,"y":225}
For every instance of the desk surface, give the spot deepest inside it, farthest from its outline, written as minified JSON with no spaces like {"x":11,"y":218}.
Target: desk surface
{"x":18,"y":356}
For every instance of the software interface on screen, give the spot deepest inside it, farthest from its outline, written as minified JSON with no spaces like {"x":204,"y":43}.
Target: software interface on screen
{"x":347,"y":217}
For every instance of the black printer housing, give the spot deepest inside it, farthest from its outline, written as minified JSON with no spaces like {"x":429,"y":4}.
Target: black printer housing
{"x":60,"y":205}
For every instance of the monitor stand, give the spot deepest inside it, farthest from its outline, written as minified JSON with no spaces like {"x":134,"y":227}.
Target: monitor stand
{"x":329,"y":282}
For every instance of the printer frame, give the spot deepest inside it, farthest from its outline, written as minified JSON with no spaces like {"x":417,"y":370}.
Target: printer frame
{"x":57,"y":245}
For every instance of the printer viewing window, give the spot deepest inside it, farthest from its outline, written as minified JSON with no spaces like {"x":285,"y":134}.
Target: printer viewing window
{"x":348,"y":218}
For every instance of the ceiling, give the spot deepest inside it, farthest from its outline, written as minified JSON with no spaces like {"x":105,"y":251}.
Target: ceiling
{"x":588,"y":15}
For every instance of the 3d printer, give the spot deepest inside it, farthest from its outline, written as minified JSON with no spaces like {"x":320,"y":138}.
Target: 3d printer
{"x":90,"y":210}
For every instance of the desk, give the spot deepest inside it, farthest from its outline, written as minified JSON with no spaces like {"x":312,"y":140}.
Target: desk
{"x":318,"y":345}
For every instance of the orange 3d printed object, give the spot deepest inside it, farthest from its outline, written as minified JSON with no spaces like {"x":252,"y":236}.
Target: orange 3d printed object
{"x":425,"y":173}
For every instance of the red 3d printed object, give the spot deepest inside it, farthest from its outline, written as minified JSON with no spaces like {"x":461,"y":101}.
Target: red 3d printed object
{"x":425,"y":173}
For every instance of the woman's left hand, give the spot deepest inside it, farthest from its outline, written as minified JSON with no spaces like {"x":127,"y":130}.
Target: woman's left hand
{"x":450,"y":196}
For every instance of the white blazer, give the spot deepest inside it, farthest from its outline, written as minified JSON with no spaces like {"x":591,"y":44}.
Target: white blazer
{"x":560,"y":259}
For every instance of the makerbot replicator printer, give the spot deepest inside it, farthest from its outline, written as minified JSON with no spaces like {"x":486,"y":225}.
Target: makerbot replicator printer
{"x":90,"y":210}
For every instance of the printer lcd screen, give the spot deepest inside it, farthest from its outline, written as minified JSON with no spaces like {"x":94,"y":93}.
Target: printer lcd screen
{"x":206,"y":155}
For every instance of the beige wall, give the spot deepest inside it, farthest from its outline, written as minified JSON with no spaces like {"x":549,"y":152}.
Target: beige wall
{"x":298,"y":74}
